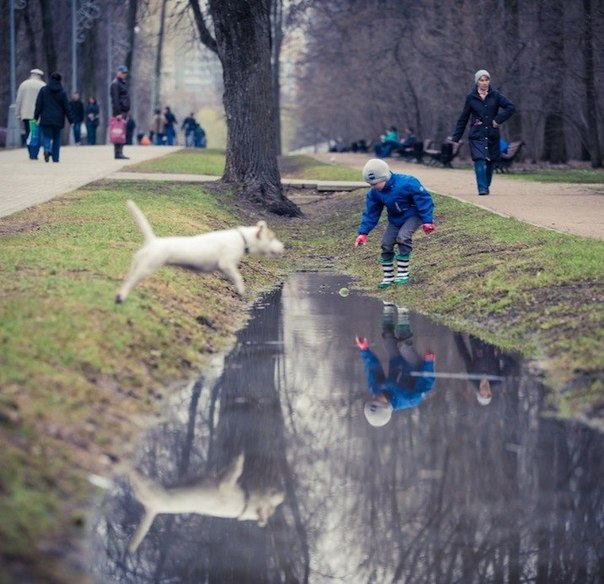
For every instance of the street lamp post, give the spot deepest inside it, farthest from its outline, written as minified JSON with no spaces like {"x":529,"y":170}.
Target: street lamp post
{"x":13,"y":132}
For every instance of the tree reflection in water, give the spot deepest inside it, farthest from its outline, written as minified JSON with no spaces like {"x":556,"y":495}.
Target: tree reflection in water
{"x":449,"y":491}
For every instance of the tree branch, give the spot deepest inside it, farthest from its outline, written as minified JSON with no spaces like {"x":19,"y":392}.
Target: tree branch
{"x":204,"y":33}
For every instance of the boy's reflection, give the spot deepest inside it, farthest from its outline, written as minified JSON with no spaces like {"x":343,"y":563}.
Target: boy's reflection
{"x":398,"y":390}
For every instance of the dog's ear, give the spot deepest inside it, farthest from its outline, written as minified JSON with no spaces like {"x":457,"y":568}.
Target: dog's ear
{"x":261,"y":225}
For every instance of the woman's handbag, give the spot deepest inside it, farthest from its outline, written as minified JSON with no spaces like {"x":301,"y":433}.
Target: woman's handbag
{"x":117,"y":130}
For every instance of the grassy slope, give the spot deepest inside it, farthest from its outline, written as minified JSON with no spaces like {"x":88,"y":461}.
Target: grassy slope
{"x":77,"y":369}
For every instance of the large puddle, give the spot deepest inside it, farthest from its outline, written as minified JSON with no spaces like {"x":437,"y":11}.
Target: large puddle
{"x":267,"y":469}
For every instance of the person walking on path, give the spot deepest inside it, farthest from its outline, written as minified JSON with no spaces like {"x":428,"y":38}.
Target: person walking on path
{"x":486,"y":109}
{"x":120,"y":104}
{"x":408,"y":205}
{"x":26,"y":105}
{"x":93,"y":113}
{"x":52,"y":107}
{"x":76,"y":105}
{"x":170,"y":126}
{"x":158,"y":127}
{"x":188,"y":126}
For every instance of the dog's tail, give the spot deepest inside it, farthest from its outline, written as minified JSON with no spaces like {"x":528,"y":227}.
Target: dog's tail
{"x":142,"y":222}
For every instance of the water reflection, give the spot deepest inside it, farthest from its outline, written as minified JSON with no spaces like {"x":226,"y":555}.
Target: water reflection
{"x":409,"y":377}
{"x":448,"y":491}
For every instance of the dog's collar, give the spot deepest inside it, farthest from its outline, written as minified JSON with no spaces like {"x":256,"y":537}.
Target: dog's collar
{"x":246,"y":247}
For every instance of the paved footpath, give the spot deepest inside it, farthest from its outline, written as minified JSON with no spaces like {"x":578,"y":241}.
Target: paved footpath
{"x":28,"y":182}
{"x":568,"y":208}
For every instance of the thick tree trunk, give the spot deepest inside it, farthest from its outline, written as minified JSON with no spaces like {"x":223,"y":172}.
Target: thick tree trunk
{"x":46,"y":10}
{"x":552,"y":28}
{"x":243,"y":33}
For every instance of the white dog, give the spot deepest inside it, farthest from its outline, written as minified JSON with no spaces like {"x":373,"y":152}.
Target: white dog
{"x":216,"y":251}
{"x":218,"y":497}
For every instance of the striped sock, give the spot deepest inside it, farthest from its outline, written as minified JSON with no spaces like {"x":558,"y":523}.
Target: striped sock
{"x":402,"y":269}
{"x":388,"y":275}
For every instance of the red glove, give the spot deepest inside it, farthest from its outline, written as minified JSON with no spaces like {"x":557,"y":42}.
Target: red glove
{"x":429,"y":356}
{"x":428,"y":228}
{"x":362,"y":343}
{"x":360,"y":240}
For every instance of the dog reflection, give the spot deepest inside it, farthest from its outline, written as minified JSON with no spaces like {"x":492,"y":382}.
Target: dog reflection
{"x":217,"y":497}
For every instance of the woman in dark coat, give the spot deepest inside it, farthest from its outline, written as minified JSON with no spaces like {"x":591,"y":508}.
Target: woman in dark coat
{"x":487,"y":109}
{"x":52,"y":107}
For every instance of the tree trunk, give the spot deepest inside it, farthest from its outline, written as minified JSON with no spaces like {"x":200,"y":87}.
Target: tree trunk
{"x":132,"y":14}
{"x":46,"y":8}
{"x":155,"y":97}
{"x":595,"y":153}
{"x":513,"y":39}
{"x":277,"y":19}
{"x":552,"y":26}
{"x":243,"y":37}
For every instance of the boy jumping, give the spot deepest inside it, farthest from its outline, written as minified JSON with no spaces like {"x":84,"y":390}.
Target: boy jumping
{"x":408,"y":205}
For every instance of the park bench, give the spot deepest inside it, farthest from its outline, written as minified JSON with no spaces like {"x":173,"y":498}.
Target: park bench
{"x":447,"y":153}
{"x":415,"y":152}
{"x":506,"y":160}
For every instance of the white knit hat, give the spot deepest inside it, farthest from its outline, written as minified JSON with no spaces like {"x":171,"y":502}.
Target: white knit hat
{"x":378,"y":413}
{"x":37,"y":72}
{"x":480,"y":73}
{"x":375,"y":171}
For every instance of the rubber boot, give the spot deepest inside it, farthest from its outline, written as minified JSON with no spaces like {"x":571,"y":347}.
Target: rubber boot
{"x":403,"y":330}
{"x":389,"y":316}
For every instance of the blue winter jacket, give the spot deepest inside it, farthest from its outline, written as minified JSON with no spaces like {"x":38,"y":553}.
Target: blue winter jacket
{"x":402,"y":390}
{"x":403,"y":196}
{"x":483,"y":138}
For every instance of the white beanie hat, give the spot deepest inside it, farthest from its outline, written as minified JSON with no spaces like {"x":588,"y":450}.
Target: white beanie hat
{"x":378,"y":413}
{"x":480,"y":73}
{"x":37,"y":72}
{"x":375,"y":171}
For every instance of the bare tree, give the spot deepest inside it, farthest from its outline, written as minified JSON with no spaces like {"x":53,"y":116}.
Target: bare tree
{"x":413,"y":63}
{"x":155,"y":100}
{"x":551,"y":16}
{"x":46,"y":6}
{"x":243,"y":43}
{"x":591,"y":100}
{"x":277,"y":28}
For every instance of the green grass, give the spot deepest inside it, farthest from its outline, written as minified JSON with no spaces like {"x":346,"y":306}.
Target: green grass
{"x":208,"y":161}
{"x":303,"y":167}
{"x":575,"y":176}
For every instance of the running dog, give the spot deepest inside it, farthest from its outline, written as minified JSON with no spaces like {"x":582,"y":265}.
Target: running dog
{"x":216,"y":251}
{"x":217,"y":497}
